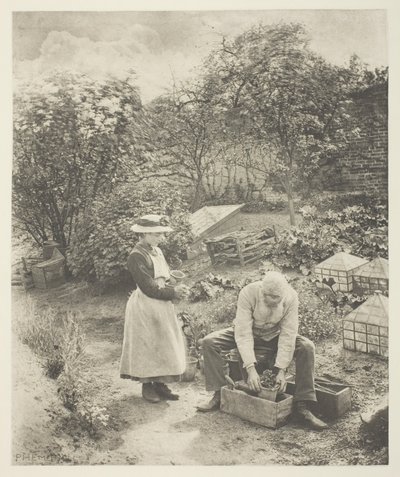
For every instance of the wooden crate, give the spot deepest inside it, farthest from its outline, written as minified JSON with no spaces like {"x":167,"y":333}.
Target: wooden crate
{"x":254,"y":409}
{"x":331,"y":405}
{"x":239,"y":247}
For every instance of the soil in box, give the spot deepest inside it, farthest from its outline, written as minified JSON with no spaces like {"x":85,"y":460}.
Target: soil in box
{"x":254,"y":409}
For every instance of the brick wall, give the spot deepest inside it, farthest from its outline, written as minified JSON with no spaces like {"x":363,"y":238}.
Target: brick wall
{"x":364,"y":167}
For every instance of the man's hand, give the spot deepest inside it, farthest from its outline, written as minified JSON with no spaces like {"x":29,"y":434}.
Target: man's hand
{"x":280,"y":381}
{"x":253,"y":379}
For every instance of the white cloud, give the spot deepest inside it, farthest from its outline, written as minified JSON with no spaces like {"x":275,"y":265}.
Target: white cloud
{"x":139,"y":49}
{"x":129,"y":44}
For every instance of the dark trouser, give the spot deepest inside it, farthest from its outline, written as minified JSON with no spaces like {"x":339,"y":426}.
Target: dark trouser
{"x":224,"y":340}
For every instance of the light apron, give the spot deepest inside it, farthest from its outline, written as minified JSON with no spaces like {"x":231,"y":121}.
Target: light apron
{"x":153,"y":343}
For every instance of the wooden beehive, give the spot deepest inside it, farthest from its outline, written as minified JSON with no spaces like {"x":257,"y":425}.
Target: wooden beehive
{"x":50,"y":273}
{"x":372,"y":276}
{"x":239,"y":247}
{"x":366,"y":328}
{"x":254,"y":409}
{"x":340,"y":268}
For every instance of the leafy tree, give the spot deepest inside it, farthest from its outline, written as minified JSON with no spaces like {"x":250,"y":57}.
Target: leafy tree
{"x":183,"y":139}
{"x":100,"y":248}
{"x":74,"y":139}
{"x":365,"y":77}
{"x":281,"y":96}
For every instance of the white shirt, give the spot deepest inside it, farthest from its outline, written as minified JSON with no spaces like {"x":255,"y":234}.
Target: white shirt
{"x":255,"y":318}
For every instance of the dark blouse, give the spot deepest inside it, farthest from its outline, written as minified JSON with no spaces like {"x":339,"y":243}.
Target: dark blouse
{"x":141,"y":268}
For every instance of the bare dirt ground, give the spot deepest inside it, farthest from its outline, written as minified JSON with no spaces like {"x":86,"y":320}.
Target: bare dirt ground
{"x":174,"y":433}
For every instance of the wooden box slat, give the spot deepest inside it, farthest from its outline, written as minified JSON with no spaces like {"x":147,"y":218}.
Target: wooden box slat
{"x":254,"y":409}
{"x":238,"y":247}
{"x":331,"y":405}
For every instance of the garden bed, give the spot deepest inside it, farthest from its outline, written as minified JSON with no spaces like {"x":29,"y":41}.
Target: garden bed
{"x":173,"y":432}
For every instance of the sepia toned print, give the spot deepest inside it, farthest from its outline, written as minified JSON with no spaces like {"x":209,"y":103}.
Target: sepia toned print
{"x":200,"y":238}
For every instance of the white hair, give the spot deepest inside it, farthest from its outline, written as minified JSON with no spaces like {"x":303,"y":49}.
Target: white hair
{"x":274,"y":283}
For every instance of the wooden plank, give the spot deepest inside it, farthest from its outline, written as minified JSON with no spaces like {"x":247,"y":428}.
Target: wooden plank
{"x":210,"y":250}
{"x":253,"y":254}
{"x":239,"y":251}
{"x":265,"y":393}
{"x":222,"y":247}
{"x":228,"y":254}
{"x":229,"y":236}
{"x":251,"y":260}
{"x":259,"y":244}
{"x":222,"y":221}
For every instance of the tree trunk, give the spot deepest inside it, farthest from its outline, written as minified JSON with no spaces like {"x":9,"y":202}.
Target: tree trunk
{"x":197,"y":195}
{"x":291,"y":210}
{"x":289,"y":192}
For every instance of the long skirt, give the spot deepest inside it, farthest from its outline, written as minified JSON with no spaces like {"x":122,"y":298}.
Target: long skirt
{"x":153,"y":345}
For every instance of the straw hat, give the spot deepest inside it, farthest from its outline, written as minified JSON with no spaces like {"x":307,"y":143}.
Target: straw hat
{"x":152,"y":224}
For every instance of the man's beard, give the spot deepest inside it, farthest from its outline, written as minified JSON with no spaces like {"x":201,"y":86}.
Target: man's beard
{"x":275,"y":312}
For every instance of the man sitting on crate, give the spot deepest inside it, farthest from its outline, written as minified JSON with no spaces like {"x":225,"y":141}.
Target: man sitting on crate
{"x":266,"y":320}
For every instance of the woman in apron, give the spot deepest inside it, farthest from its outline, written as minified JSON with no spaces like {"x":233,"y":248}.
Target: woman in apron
{"x":153,"y":350}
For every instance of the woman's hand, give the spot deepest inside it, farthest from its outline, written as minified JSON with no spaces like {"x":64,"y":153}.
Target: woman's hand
{"x":253,"y":379}
{"x":181,"y":291}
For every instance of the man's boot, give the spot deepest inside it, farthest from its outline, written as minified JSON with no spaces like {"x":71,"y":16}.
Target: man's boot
{"x":211,"y":405}
{"x":149,"y":393}
{"x":305,"y":416}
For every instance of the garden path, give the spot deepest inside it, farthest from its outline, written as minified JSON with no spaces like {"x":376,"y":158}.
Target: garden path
{"x":173,"y":433}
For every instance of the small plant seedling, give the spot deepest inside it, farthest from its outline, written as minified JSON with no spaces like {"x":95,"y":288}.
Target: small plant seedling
{"x":268,"y":379}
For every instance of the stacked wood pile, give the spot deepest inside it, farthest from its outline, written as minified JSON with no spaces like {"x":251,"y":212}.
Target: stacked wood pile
{"x":239,"y":247}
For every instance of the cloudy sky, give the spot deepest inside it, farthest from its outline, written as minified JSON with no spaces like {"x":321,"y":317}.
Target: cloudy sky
{"x":162,"y":46}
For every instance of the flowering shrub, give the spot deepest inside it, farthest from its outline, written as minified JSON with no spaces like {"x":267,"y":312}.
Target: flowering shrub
{"x":82,"y":135}
{"x":103,"y":239}
{"x":93,"y":417}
